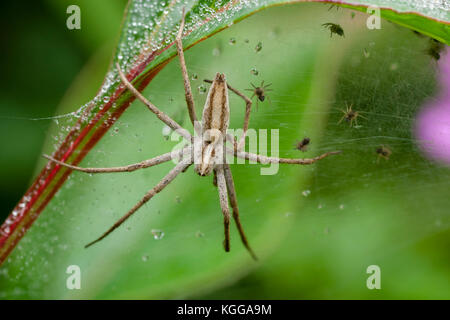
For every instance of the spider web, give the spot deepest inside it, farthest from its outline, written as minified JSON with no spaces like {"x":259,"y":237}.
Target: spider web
{"x":385,"y":74}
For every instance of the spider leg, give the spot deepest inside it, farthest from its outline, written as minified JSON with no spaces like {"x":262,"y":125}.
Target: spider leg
{"x":158,"y":188}
{"x":343,"y":117}
{"x":129,"y":168}
{"x":172,"y":124}
{"x":360,"y":115}
{"x":223,"y":197}
{"x":266,"y":160}
{"x":215,"y":178}
{"x":187,"y":84}
{"x":234,"y":206}
{"x":270,"y":101}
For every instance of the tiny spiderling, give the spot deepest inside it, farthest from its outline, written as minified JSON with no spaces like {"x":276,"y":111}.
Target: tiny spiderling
{"x":303,"y":145}
{"x":334,"y":28}
{"x":350,"y":115}
{"x":435,"y":49}
{"x":383,"y":152}
{"x":260,"y":92}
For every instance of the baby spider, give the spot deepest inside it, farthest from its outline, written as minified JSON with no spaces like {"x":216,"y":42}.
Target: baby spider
{"x":303,"y":145}
{"x":334,"y":28}
{"x":435,"y":48}
{"x":206,"y":149}
{"x":350,"y":115}
{"x":260,"y":92}
{"x":383,"y":152}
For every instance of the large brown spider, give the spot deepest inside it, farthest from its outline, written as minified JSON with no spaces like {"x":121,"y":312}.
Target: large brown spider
{"x":206,"y":149}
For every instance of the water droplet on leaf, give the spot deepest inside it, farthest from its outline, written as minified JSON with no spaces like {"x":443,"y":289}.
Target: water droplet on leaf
{"x":157,"y":234}
{"x":201,"y":89}
{"x":306,"y":193}
{"x":258,"y":47}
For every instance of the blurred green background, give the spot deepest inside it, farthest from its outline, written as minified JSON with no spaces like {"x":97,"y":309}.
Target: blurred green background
{"x":40,"y":60}
{"x":316,"y":228}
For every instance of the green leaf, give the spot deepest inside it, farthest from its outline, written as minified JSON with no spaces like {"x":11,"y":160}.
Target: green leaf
{"x":300,"y":59}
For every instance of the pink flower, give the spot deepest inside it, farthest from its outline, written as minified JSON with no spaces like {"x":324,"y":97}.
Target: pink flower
{"x":433,"y":122}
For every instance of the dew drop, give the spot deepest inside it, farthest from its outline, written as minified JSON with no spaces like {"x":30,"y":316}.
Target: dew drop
{"x":194,"y":76}
{"x":246,"y":41}
{"x":254,"y":71}
{"x":201,"y":89}
{"x":232,"y":41}
{"x":145,"y":258}
{"x":166,"y":132}
{"x":157,"y":234}
{"x":199,"y":234}
{"x":106,"y":99}
{"x":306,"y":193}
{"x":366,"y":53}
{"x":258,"y":47}
{"x":216,"y":52}
{"x":394,"y":66}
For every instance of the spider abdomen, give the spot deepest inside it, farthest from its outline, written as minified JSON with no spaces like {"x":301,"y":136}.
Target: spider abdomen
{"x":215,"y":122}
{"x":216,"y":112}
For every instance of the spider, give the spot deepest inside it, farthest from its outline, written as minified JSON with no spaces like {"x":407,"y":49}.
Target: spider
{"x":383,"y":152}
{"x":350,"y":115}
{"x":206,"y":149}
{"x":260,"y":92}
{"x":334,"y":28}
{"x":303,"y":145}
{"x":435,"y":48}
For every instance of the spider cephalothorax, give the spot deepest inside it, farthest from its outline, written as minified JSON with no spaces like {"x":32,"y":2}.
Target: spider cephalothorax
{"x":206,"y":148}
